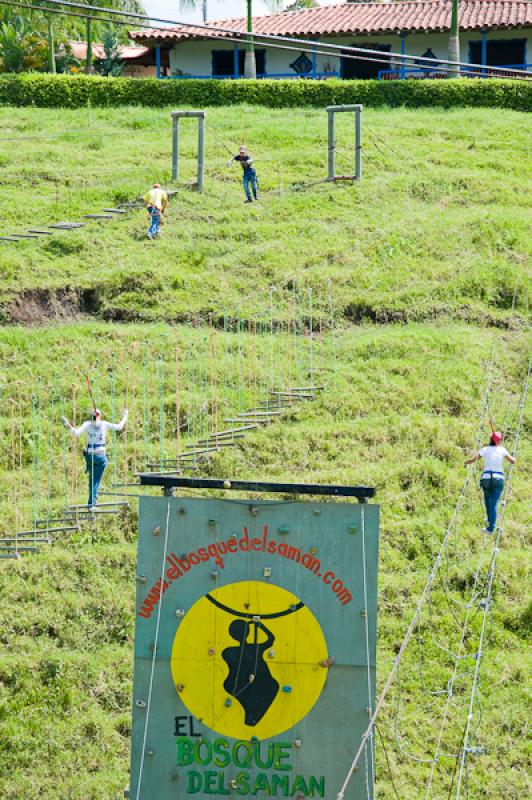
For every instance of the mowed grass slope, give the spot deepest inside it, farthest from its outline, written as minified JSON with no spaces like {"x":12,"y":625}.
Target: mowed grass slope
{"x":437,"y":227}
{"x":436,"y":235}
{"x":399,"y":412}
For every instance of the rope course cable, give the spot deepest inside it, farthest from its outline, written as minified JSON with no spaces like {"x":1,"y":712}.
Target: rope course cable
{"x":424,"y":595}
{"x":488,"y":600}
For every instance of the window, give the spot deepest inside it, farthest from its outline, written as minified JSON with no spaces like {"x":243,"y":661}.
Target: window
{"x":357,"y":68}
{"x":501,"y":53}
{"x":302,"y":65}
{"x":223,"y":62}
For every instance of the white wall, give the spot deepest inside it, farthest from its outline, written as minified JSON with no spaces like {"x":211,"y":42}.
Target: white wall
{"x":194,"y":57}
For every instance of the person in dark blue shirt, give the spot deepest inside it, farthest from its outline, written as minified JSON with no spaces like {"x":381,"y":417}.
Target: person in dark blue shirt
{"x":249,"y":176}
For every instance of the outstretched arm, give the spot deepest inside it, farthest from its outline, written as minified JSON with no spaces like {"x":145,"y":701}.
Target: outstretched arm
{"x":471,"y":460}
{"x":510,"y":458}
{"x":75,"y":431}
{"x":118,"y":426}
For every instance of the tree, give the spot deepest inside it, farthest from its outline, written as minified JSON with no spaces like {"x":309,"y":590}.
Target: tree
{"x":21,"y":47}
{"x":184,"y":4}
{"x":250,"y":68}
{"x":299,"y":4}
{"x":111,"y":64}
{"x":454,"y":40}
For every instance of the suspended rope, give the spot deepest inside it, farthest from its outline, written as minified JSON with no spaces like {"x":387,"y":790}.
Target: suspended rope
{"x":488,"y":599}
{"x":430,"y":581}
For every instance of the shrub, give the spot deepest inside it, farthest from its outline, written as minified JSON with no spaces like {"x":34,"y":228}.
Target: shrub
{"x":66,"y":91}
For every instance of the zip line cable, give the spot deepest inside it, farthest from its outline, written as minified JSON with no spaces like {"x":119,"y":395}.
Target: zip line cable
{"x":318,"y":47}
{"x":425,"y":593}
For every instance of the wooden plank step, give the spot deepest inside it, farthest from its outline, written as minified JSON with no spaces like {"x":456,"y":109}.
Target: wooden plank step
{"x":8,"y":239}
{"x":231,"y":431}
{"x":305,"y":389}
{"x":95,"y":513}
{"x":49,"y":530}
{"x":24,"y":235}
{"x":100,"y":505}
{"x":66,"y":226}
{"x":9,"y":555}
{"x":97,"y":216}
{"x":14,"y":540}
{"x":40,"y":232}
{"x":259,"y":413}
{"x":219,"y":442}
{"x":206,"y":442}
{"x":51,"y":520}
{"x":115,"y":211}
{"x":258,"y":420}
{"x":10,"y":549}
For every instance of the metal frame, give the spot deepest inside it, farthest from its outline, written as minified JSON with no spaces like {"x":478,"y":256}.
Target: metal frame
{"x":331,"y":111}
{"x":168,"y":482}
{"x":176,"y":116}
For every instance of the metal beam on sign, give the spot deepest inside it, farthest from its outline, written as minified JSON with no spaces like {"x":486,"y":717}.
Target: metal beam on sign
{"x":362,"y":493}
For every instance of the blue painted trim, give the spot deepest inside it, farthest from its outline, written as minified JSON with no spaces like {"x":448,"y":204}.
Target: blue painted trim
{"x":158,"y":61}
{"x":314,"y":64}
{"x":236,"y":70}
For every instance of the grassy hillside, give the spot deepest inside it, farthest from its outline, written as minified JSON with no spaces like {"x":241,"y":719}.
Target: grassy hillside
{"x":435,"y":236}
{"x":438,"y":227}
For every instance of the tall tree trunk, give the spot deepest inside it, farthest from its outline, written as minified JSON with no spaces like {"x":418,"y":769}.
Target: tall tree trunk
{"x":51,"y":45}
{"x":454,"y":42}
{"x":88,"y":62}
{"x":250,"y":67}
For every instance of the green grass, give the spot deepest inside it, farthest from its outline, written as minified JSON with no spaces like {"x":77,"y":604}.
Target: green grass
{"x":438,"y":227}
{"x":435,"y":236}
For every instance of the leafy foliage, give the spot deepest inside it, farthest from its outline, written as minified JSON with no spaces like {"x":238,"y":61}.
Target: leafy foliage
{"x":74,"y":92}
{"x":111,"y":64}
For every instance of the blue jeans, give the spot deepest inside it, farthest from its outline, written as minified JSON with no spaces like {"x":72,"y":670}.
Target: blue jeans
{"x":155,"y":226}
{"x":250,"y":177}
{"x":492,"y":488}
{"x":96,"y":465}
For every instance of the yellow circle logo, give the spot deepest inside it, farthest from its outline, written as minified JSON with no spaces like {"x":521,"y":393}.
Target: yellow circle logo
{"x":246,"y":660}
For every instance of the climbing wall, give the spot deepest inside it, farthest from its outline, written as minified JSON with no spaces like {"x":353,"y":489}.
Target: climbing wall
{"x":254,"y":647}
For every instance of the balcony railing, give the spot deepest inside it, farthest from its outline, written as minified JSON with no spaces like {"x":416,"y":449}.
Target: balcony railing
{"x":418,"y":73}
{"x":319,"y":76}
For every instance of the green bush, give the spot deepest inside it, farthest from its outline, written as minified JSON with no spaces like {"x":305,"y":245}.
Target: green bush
{"x":64,"y":91}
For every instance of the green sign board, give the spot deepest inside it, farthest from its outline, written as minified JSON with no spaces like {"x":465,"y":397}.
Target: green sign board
{"x":254,"y":648}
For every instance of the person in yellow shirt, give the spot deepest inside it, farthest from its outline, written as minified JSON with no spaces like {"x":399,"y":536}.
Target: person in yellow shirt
{"x":157,"y":201}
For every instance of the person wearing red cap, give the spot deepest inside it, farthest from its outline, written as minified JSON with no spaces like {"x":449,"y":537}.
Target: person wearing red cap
{"x":95,"y":453}
{"x":492,"y":479}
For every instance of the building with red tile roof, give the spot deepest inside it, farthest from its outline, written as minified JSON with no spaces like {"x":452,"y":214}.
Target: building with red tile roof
{"x":493,"y":32}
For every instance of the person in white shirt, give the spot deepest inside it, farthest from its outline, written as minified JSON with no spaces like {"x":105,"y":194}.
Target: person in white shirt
{"x":95,"y":452}
{"x":492,"y":479}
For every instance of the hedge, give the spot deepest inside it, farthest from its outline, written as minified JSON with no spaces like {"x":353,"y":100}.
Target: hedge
{"x":64,"y":91}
